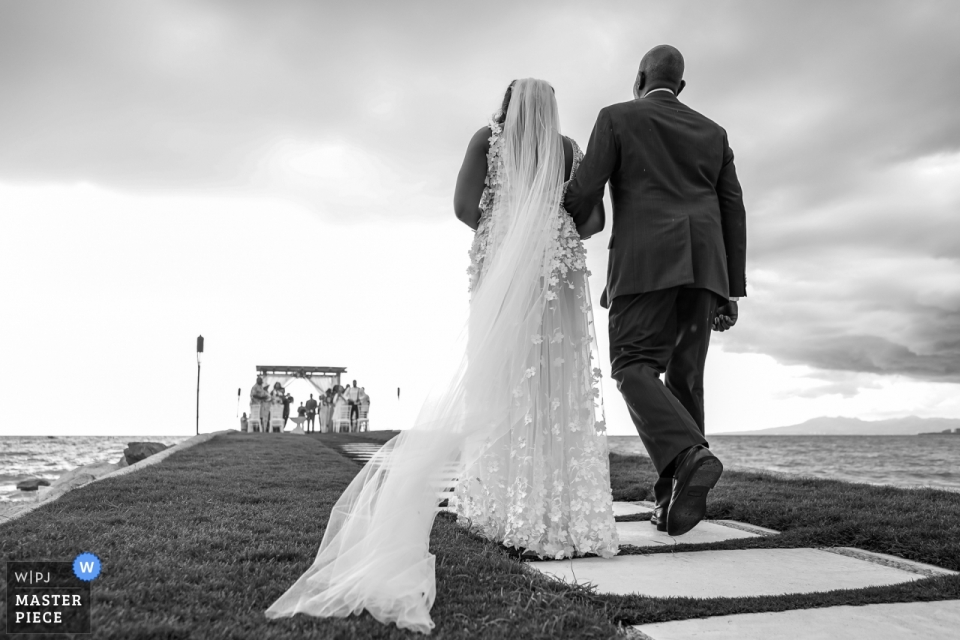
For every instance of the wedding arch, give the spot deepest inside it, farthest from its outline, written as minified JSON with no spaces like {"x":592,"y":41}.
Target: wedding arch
{"x":322,"y":378}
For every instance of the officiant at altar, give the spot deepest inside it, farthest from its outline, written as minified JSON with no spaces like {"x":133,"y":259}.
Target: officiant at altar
{"x":260,"y":396}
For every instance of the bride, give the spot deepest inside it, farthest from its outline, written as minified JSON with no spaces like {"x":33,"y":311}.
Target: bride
{"x":519,"y":420}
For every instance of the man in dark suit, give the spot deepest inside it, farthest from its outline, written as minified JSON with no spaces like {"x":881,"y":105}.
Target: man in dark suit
{"x":675,"y":270}
{"x":311,"y":407}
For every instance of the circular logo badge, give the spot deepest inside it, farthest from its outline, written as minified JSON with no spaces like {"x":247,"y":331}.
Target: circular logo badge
{"x":86,"y":566}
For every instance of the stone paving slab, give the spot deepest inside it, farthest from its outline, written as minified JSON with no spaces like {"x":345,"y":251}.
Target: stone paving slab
{"x":898,"y":621}
{"x":360,"y":448}
{"x":631,"y":508}
{"x":644,"y":534}
{"x":359,"y":451}
{"x":735,"y":573}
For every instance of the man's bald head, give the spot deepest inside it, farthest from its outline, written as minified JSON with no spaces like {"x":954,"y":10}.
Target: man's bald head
{"x":661,"y":67}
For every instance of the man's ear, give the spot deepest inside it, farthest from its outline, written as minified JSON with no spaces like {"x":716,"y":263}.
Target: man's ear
{"x":683,"y":83}
{"x":639,"y":84}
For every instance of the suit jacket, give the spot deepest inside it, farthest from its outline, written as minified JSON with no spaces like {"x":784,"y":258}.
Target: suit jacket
{"x":678,"y":216}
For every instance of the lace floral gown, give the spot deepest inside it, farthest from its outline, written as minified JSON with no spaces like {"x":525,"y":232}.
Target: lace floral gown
{"x":545,"y":486}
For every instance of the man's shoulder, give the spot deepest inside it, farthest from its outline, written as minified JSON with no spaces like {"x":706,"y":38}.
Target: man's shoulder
{"x":626,"y":114}
{"x":621,"y":108}
{"x":648,"y":107}
{"x":704,"y":119}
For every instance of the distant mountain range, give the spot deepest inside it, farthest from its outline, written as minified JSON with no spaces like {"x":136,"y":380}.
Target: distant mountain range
{"x":826,"y":426}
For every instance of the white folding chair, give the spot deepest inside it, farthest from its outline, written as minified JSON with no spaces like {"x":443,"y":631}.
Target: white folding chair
{"x":276,"y":417}
{"x":253,"y":420}
{"x":341,"y":417}
{"x":363,"y":422}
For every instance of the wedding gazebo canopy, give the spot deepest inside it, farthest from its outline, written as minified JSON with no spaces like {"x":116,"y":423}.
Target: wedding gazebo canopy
{"x":322,"y":378}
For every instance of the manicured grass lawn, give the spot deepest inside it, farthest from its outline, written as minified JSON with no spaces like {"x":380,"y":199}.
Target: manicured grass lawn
{"x":201,"y":544}
{"x":916,"y":524}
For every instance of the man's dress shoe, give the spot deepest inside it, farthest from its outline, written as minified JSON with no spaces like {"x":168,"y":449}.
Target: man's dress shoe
{"x":697,"y":471}
{"x":659,"y":518}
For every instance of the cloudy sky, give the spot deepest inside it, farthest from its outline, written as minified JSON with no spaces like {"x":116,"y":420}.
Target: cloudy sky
{"x":278,"y":176}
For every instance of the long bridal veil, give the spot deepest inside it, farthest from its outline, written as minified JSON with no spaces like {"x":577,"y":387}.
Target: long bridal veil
{"x":375,"y":550}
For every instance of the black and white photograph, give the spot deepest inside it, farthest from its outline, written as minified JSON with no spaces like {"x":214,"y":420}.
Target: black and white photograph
{"x":619,"y":319}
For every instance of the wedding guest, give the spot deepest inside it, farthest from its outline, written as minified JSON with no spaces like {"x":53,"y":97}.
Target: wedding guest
{"x":276,"y":405}
{"x":243,"y":422}
{"x":284,"y":400}
{"x":259,"y":395}
{"x":311,"y":412}
{"x":328,"y":405}
{"x":352,"y":395}
{"x":287,"y":400}
{"x":321,"y":411}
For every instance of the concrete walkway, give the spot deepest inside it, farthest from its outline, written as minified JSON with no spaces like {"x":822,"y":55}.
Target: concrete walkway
{"x":899,"y":621}
{"x":759,"y":572}
{"x":642,"y":534}
{"x":359,"y":451}
{"x":733,"y":574}
{"x":631,"y":508}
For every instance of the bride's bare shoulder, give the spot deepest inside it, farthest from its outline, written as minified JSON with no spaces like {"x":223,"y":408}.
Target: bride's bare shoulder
{"x":481,"y":139}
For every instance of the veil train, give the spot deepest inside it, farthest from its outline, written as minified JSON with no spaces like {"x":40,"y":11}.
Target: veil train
{"x":375,"y":550}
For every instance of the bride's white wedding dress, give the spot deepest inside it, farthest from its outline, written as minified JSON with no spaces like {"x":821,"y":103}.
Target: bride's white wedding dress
{"x":544,"y":486}
{"x":519,"y":419}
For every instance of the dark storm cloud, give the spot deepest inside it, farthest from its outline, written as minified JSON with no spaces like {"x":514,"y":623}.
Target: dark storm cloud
{"x":193,"y":94}
{"x":853,"y":310}
{"x":845,"y":118}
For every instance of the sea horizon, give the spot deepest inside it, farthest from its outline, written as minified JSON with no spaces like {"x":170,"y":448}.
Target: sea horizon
{"x":902,"y":461}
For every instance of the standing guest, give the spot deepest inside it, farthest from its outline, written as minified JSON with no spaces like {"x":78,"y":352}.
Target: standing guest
{"x":259,"y":395}
{"x":243,"y":422}
{"x":311,"y":412}
{"x":287,"y":400}
{"x":321,"y":411}
{"x":328,"y":403}
{"x":276,"y":404}
{"x":352,"y":395}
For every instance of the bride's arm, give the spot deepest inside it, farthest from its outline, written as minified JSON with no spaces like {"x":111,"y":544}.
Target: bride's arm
{"x":594,"y":222}
{"x":470,"y":181}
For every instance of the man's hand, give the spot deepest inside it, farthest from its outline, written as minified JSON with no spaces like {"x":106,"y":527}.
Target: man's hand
{"x":726,"y":316}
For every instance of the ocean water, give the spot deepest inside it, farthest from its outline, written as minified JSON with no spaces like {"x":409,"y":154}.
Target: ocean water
{"x":902,"y":461}
{"x":49,"y":457}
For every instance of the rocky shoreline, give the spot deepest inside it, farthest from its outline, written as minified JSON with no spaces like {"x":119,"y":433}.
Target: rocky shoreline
{"x":137,"y":455}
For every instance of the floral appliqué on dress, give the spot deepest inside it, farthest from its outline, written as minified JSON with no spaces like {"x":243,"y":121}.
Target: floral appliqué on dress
{"x":481,"y":240}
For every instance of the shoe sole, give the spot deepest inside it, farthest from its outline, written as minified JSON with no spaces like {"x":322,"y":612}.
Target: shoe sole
{"x":690,"y":507}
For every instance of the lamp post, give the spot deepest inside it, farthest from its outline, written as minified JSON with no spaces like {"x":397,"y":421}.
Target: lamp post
{"x":199,"y":354}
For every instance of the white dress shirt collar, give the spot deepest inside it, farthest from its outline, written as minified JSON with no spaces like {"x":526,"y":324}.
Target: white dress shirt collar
{"x":655,"y":90}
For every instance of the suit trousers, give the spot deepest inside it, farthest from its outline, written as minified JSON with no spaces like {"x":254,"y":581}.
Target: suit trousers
{"x":664,"y":332}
